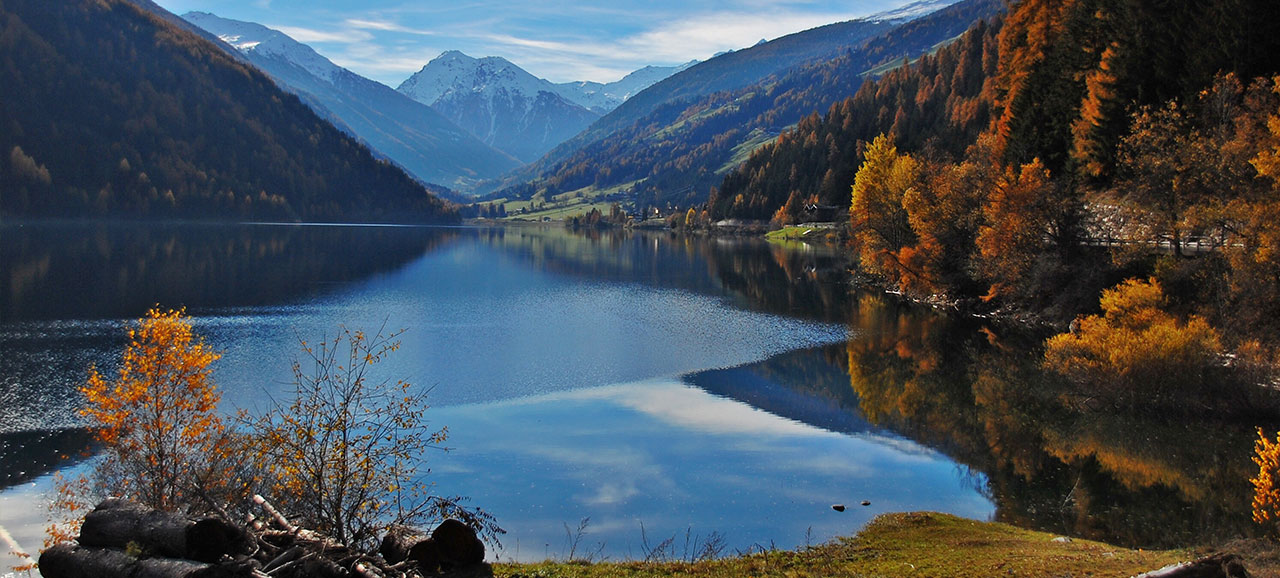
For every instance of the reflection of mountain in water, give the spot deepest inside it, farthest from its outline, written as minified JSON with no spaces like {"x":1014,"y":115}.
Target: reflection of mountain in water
{"x":801,"y":385}
{"x":25,"y":456}
{"x":976,"y":393}
{"x":112,"y":271}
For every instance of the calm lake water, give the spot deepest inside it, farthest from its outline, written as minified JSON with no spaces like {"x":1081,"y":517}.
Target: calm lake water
{"x":652,"y":385}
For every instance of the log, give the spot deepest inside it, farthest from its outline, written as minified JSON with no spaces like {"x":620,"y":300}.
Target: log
{"x":71,"y":561}
{"x":117,"y":523}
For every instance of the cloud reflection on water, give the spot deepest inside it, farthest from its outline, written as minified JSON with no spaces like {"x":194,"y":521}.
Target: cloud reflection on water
{"x":673,"y":457}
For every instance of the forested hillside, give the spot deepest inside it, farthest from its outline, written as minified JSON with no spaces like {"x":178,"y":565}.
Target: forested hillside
{"x":939,"y":101}
{"x":681,"y":149}
{"x":1001,"y":167}
{"x":111,"y":111}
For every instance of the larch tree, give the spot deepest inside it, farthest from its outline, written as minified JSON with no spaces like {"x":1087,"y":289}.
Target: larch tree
{"x":881,"y":226}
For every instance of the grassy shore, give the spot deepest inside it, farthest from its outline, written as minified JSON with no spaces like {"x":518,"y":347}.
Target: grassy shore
{"x":803,"y":233}
{"x":915,"y":544}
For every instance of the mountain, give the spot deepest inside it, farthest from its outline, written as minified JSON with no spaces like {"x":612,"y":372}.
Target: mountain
{"x":111,"y":110}
{"x":682,"y":148}
{"x":913,"y":10}
{"x":498,"y":102}
{"x":727,"y":71}
{"x":411,"y":134}
{"x":604,"y":97}
{"x":941,"y":99}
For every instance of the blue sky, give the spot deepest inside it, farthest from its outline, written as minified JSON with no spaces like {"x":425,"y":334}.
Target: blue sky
{"x":561,"y":40}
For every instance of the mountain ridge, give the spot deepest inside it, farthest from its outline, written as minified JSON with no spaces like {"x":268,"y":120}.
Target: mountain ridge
{"x":683,"y":148}
{"x":414,"y":136}
{"x":162,"y":123}
{"x":498,"y":102}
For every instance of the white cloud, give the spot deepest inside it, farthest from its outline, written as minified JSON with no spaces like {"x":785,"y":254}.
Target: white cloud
{"x":311,"y":35}
{"x":386,"y":26}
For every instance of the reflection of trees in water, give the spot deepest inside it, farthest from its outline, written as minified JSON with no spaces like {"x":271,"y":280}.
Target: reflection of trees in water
{"x":978,"y":394}
{"x":119,"y":270}
{"x":801,"y":281}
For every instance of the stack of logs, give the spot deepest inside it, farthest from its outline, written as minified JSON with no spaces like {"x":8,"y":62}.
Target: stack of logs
{"x":123,"y":539}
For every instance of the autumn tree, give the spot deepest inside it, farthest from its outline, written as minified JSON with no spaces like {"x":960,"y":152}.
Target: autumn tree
{"x":1169,"y":170}
{"x":1266,"y":486}
{"x":1253,"y":220}
{"x":163,"y":442}
{"x":157,"y":420}
{"x":1012,"y":239}
{"x":345,"y":454}
{"x":881,"y":226}
{"x":945,"y":212}
{"x":1135,"y":353}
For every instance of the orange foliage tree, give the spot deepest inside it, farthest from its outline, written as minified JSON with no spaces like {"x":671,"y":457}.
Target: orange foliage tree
{"x":1135,"y":353}
{"x":880,"y":223}
{"x":1266,"y":487}
{"x":163,"y":442}
{"x":1019,"y":215}
{"x":158,"y":419}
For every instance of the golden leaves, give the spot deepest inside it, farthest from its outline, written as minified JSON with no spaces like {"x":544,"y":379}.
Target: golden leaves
{"x":1266,"y":490}
{"x":1134,"y":352}
{"x":157,"y":421}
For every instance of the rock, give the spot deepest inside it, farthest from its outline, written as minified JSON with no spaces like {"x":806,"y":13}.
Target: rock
{"x":837,"y":507}
{"x":398,"y":542}
{"x":457,"y":544}
{"x":426,"y":554}
{"x":1061,"y":539}
{"x":1216,"y":566}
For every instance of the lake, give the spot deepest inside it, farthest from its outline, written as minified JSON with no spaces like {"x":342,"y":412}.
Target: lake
{"x":641,"y":385}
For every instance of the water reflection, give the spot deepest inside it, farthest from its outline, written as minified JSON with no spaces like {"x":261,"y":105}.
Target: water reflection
{"x":978,"y":395}
{"x":555,"y":359}
{"x":670,"y":457}
{"x":118,"y":270}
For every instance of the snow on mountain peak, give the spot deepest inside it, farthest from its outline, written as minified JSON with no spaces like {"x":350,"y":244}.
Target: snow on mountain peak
{"x":250,"y":37}
{"x":456,"y":73}
{"x":913,"y":10}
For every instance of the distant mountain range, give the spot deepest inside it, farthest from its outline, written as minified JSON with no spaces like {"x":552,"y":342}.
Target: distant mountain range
{"x":675,"y":140}
{"x":498,"y":102}
{"x":457,"y":121}
{"x":111,"y":109}
{"x":413,"y":135}
{"x":512,"y":110}
{"x":729,"y":71}
{"x":602,"y":98}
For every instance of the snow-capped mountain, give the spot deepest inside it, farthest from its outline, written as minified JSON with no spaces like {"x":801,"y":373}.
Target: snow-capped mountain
{"x":498,"y":102}
{"x":415,"y":136}
{"x":913,"y":10}
{"x":604,"y":97}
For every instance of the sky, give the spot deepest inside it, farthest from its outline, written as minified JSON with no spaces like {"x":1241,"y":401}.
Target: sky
{"x":560,"y":40}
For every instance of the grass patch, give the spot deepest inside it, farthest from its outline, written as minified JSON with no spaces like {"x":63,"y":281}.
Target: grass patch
{"x":915,"y":544}
{"x":757,"y":138}
{"x":800,"y":233}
